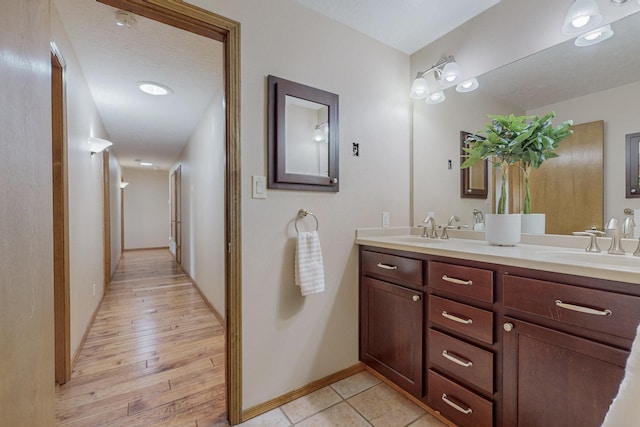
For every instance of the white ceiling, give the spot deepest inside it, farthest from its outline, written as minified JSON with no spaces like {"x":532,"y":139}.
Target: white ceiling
{"x":113,"y":59}
{"x":406,"y":25}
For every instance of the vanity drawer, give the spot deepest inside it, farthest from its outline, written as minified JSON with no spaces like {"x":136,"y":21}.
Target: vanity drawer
{"x":396,"y":268}
{"x":466,"y":361}
{"x":456,"y":403}
{"x":462,"y":318}
{"x":468,"y":281}
{"x":601,"y":311}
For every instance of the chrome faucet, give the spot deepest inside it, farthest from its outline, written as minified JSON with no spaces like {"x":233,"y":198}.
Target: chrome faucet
{"x":429,"y":220}
{"x":449,"y":226}
{"x":627,"y":227}
{"x":478,"y":220}
{"x":616,"y":246}
{"x":451,"y":219}
{"x":593,"y":242}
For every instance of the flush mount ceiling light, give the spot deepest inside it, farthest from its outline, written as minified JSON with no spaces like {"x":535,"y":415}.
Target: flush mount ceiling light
{"x":618,"y":2}
{"x":436,"y":98}
{"x":583,"y":15}
{"x":595,"y":36}
{"x":97,"y":145}
{"x":125,"y":19}
{"x":146,"y":164}
{"x":467,"y":85}
{"x":153,"y":88}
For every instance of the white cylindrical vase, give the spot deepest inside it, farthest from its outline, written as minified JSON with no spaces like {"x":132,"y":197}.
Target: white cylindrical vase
{"x":503,"y":229}
{"x":533,"y":223}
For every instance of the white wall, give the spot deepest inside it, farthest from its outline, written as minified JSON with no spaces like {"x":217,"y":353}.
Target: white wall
{"x":26,"y":259}
{"x":203,"y":175}
{"x":115,"y":204}
{"x":619,"y":110}
{"x":146,"y":208}
{"x":288,"y":340}
{"x":86,"y":246}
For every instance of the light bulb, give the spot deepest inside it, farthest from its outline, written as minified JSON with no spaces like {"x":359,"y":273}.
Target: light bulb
{"x":419,"y":88}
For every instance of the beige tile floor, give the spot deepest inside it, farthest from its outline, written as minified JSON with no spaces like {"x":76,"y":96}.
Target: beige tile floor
{"x":360,"y":400}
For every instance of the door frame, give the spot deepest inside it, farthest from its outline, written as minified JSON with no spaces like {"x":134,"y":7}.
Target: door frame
{"x":175,"y":180}
{"x":205,"y":23}
{"x":61,"y":292}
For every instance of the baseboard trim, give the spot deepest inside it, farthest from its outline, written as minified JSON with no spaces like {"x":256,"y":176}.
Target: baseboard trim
{"x":409,"y":396}
{"x":302,"y":391}
{"x":206,"y":301}
{"x":146,"y":249}
{"x":86,"y":332}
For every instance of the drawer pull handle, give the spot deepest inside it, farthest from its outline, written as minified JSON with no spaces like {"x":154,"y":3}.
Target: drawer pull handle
{"x":416,"y":297}
{"x":582,"y":309}
{"x":465,"y":363}
{"x":456,"y":281}
{"x":456,"y":318}
{"x":387,"y":267}
{"x":455,"y":405}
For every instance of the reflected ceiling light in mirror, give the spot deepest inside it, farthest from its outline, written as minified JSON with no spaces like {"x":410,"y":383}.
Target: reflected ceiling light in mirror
{"x":583,"y":15}
{"x":321,"y":132}
{"x":153,"y":88}
{"x":419,"y":88}
{"x":125,"y":19}
{"x":436,"y":98}
{"x":468,"y":85}
{"x":97,"y":145}
{"x":595,"y":36}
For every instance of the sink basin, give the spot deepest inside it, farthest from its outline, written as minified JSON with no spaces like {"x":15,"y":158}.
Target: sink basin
{"x":594,"y":259}
{"x":416,"y":239}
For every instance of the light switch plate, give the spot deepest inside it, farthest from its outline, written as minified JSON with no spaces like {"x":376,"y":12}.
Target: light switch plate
{"x":259,"y":187}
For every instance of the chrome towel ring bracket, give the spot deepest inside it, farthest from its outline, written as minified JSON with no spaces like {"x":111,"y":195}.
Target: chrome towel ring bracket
{"x":302,"y":213}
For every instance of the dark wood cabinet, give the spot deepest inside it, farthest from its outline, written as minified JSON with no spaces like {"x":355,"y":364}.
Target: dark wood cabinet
{"x":553,"y":379}
{"x":391,"y":332}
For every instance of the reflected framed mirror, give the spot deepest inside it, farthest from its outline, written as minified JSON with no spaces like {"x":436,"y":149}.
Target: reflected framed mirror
{"x":302,"y":137}
{"x":633,"y":165}
{"x":474,"y":180}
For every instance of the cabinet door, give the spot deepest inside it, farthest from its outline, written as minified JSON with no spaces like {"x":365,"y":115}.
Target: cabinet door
{"x":391,"y":332}
{"x":556,"y":379}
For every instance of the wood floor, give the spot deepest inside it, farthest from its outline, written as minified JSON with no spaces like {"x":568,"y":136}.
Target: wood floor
{"x":154,"y":355}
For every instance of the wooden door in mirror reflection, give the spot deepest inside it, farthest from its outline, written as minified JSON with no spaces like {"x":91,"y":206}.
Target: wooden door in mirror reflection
{"x":569,"y":189}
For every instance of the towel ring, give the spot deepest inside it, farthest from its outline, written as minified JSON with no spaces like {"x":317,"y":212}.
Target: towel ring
{"x":303,"y":213}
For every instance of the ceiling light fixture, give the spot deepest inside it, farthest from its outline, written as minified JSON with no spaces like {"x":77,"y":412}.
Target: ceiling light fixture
{"x":97,"y":145}
{"x":125,"y":19}
{"x":595,"y":36}
{"x":618,"y":2}
{"x":583,"y":15}
{"x":153,"y":88}
{"x":468,"y":85}
{"x":146,"y":164}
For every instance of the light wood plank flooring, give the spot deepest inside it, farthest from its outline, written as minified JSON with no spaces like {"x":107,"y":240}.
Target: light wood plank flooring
{"x":154,"y":355}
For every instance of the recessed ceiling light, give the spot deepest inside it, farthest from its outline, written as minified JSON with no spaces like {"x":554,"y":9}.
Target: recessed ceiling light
{"x":618,"y":2}
{"x":146,"y":164}
{"x":153,"y":88}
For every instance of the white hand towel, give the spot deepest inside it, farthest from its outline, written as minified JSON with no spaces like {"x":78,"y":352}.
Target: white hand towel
{"x":309,"y":269}
{"x":625,"y":410}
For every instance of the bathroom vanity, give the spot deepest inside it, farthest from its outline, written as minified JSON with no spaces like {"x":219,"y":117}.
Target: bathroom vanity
{"x":531,"y":335}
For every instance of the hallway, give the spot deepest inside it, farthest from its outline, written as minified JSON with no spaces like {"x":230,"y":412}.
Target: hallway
{"x":154,"y":355}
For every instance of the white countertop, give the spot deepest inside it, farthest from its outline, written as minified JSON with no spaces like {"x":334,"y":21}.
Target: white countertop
{"x":560,"y":254}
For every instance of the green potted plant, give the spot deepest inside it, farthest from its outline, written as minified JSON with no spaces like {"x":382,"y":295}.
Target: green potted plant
{"x":510,"y":140}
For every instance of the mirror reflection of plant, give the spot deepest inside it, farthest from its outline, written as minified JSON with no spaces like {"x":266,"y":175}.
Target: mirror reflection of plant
{"x":509,"y":140}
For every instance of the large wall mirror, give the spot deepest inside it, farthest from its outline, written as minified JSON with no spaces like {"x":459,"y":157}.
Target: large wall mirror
{"x":302,"y":137}
{"x":633,"y":165}
{"x":583,"y":84}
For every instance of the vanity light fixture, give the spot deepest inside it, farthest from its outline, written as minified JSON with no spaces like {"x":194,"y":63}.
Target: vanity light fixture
{"x":583,"y":15}
{"x":153,"y":88}
{"x":436,"y":98}
{"x":595,"y":36}
{"x":467,"y":85}
{"x":320,"y":132}
{"x":447,"y":73}
{"x":97,"y":145}
{"x":123,"y":184}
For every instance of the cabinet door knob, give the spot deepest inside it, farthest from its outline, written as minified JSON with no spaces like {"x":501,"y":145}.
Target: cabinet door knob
{"x":416,"y":297}
{"x":508,"y":327}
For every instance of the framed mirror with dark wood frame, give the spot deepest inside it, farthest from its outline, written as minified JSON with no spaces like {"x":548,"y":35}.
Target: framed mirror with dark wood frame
{"x":302,"y":137}
{"x":633,"y":165}
{"x":474,"y":181}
